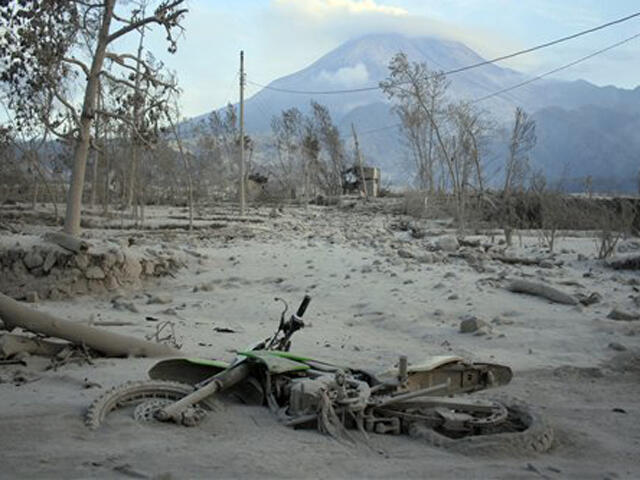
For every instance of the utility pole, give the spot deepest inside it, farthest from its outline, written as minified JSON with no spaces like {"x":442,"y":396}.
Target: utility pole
{"x":242,"y":192}
{"x":359,"y":158}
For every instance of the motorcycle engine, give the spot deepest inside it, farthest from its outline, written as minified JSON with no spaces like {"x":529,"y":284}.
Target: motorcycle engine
{"x":304,"y":394}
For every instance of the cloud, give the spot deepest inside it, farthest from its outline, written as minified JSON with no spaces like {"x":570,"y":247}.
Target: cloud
{"x":321,"y":8}
{"x":327,"y":23}
{"x":346,"y":77}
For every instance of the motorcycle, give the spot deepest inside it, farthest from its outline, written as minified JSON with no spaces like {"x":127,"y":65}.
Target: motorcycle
{"x":423,"y":400}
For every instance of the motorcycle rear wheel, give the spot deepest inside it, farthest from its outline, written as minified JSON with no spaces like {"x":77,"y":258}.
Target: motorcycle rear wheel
{"x":525,"y":431}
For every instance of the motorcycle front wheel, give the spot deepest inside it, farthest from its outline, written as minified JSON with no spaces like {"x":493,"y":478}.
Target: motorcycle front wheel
{"x":145,"y":397}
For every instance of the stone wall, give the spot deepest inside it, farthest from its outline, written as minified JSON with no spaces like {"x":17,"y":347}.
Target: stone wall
{"x":46,"y":271}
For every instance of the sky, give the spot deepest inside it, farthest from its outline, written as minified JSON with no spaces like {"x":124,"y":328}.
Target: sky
{"x":280,"y":37}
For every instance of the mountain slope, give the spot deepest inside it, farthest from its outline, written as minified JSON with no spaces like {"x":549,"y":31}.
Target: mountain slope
{"x":581,"y":127}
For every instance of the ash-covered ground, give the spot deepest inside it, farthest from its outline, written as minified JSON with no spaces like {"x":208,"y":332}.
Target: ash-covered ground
{"x":383,"y":285}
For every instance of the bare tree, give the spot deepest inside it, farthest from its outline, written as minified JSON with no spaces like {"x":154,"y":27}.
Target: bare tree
{"x":420,"y":96}
{"x":469,"y":129}
{"x":328,"y":167}
{"x":217,"y":141}
{"x":170,"y":115}
{"x":310,"y":153}
{"x":419,"y":131}
{"x":40,"y":75}
{"x":521,"y":142}
{"x":288,"y":134}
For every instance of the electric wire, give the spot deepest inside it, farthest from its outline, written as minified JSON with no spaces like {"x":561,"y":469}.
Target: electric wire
{"x":556,"y":70}
{"x":528,"y":81}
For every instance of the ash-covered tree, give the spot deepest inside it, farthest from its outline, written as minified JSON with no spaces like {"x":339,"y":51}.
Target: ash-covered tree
{"x":288,"y":131}
{"x":327,"y":167}
{"x":521,"y":141}
{"x":310,"y":154}
{"x":469,"y":130}
{"x":218,"y":150}
{"x":416,"y":126}
{"x":516,"y":169}
{"x":52,"y":52}
{"x":452,"y":133}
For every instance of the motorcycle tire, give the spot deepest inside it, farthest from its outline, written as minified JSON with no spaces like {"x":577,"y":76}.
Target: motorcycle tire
{"x":134,"y":393}
{"x":525,"y":431}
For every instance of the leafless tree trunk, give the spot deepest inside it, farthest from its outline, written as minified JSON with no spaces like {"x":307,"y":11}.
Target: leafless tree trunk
{"x":522,"y":140}
{"x":74,"y":200}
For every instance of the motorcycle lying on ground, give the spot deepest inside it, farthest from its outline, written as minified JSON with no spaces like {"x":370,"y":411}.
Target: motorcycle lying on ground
{"x":417,"y":400}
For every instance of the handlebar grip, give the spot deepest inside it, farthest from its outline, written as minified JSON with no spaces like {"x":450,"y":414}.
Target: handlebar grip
{"x":303,"y":306}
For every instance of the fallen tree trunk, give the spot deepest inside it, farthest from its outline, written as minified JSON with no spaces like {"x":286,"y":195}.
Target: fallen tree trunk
{"x":14,"y":314}
{"x":541,"y":290}
{"x":67,"y":242}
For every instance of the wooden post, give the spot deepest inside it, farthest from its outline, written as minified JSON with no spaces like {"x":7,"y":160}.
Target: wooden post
{"x":359,"y":158}
{"x":242,"y":173}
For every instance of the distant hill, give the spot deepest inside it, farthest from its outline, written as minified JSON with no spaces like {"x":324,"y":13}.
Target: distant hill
{"x":582,"y":129}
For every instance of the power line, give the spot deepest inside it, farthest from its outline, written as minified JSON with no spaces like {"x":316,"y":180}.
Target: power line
{"x":465,"y":68}
{"x":526,"y":82}
{"x":556,"y":70}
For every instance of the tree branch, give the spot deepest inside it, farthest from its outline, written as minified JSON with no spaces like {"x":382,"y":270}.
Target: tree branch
{"x":150,"y":73}
{"x":158,"y":17}
{"x":119,"y":80}
{"x":124,"y":119}
{"x":77,"y":62}
{"x":70,"y":107}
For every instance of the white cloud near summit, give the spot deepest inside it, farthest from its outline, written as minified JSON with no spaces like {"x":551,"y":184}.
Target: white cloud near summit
{"x":332,"y":7}
{"x":346,"y":77}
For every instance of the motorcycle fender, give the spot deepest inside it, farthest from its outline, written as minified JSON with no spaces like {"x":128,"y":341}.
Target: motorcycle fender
{"x":186,"y":370}
{"x":274,"y":362}
{"x":462,"y":377}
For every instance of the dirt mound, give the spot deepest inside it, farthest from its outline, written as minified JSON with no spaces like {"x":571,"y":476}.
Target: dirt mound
{"x":33,"y":269}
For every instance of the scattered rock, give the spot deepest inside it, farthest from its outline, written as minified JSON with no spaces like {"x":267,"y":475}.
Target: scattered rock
{"x":472,"y":324}
{"x":426,"y":258}
{"x":448,"y":243}
{"x":204,"y":287}
{"x":453,"y":296}
{"x":402,"y":253}
{"x":94,"y":273}
{"x":618,"y":347}
{"x":49,"y":261}
{"x":120,"y":303}
{"x":160,"y":299}
{"x":82,"y":261}
{"x":621,"y":315}
{"x":501,"y":321}
{"x":32,"y":260}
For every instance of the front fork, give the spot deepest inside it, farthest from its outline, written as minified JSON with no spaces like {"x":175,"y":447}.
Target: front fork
{"x":219,"y":382}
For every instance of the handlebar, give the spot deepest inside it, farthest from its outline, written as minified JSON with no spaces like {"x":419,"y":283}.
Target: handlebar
{"x":303,"y":306}
{"x":288,"y":327}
